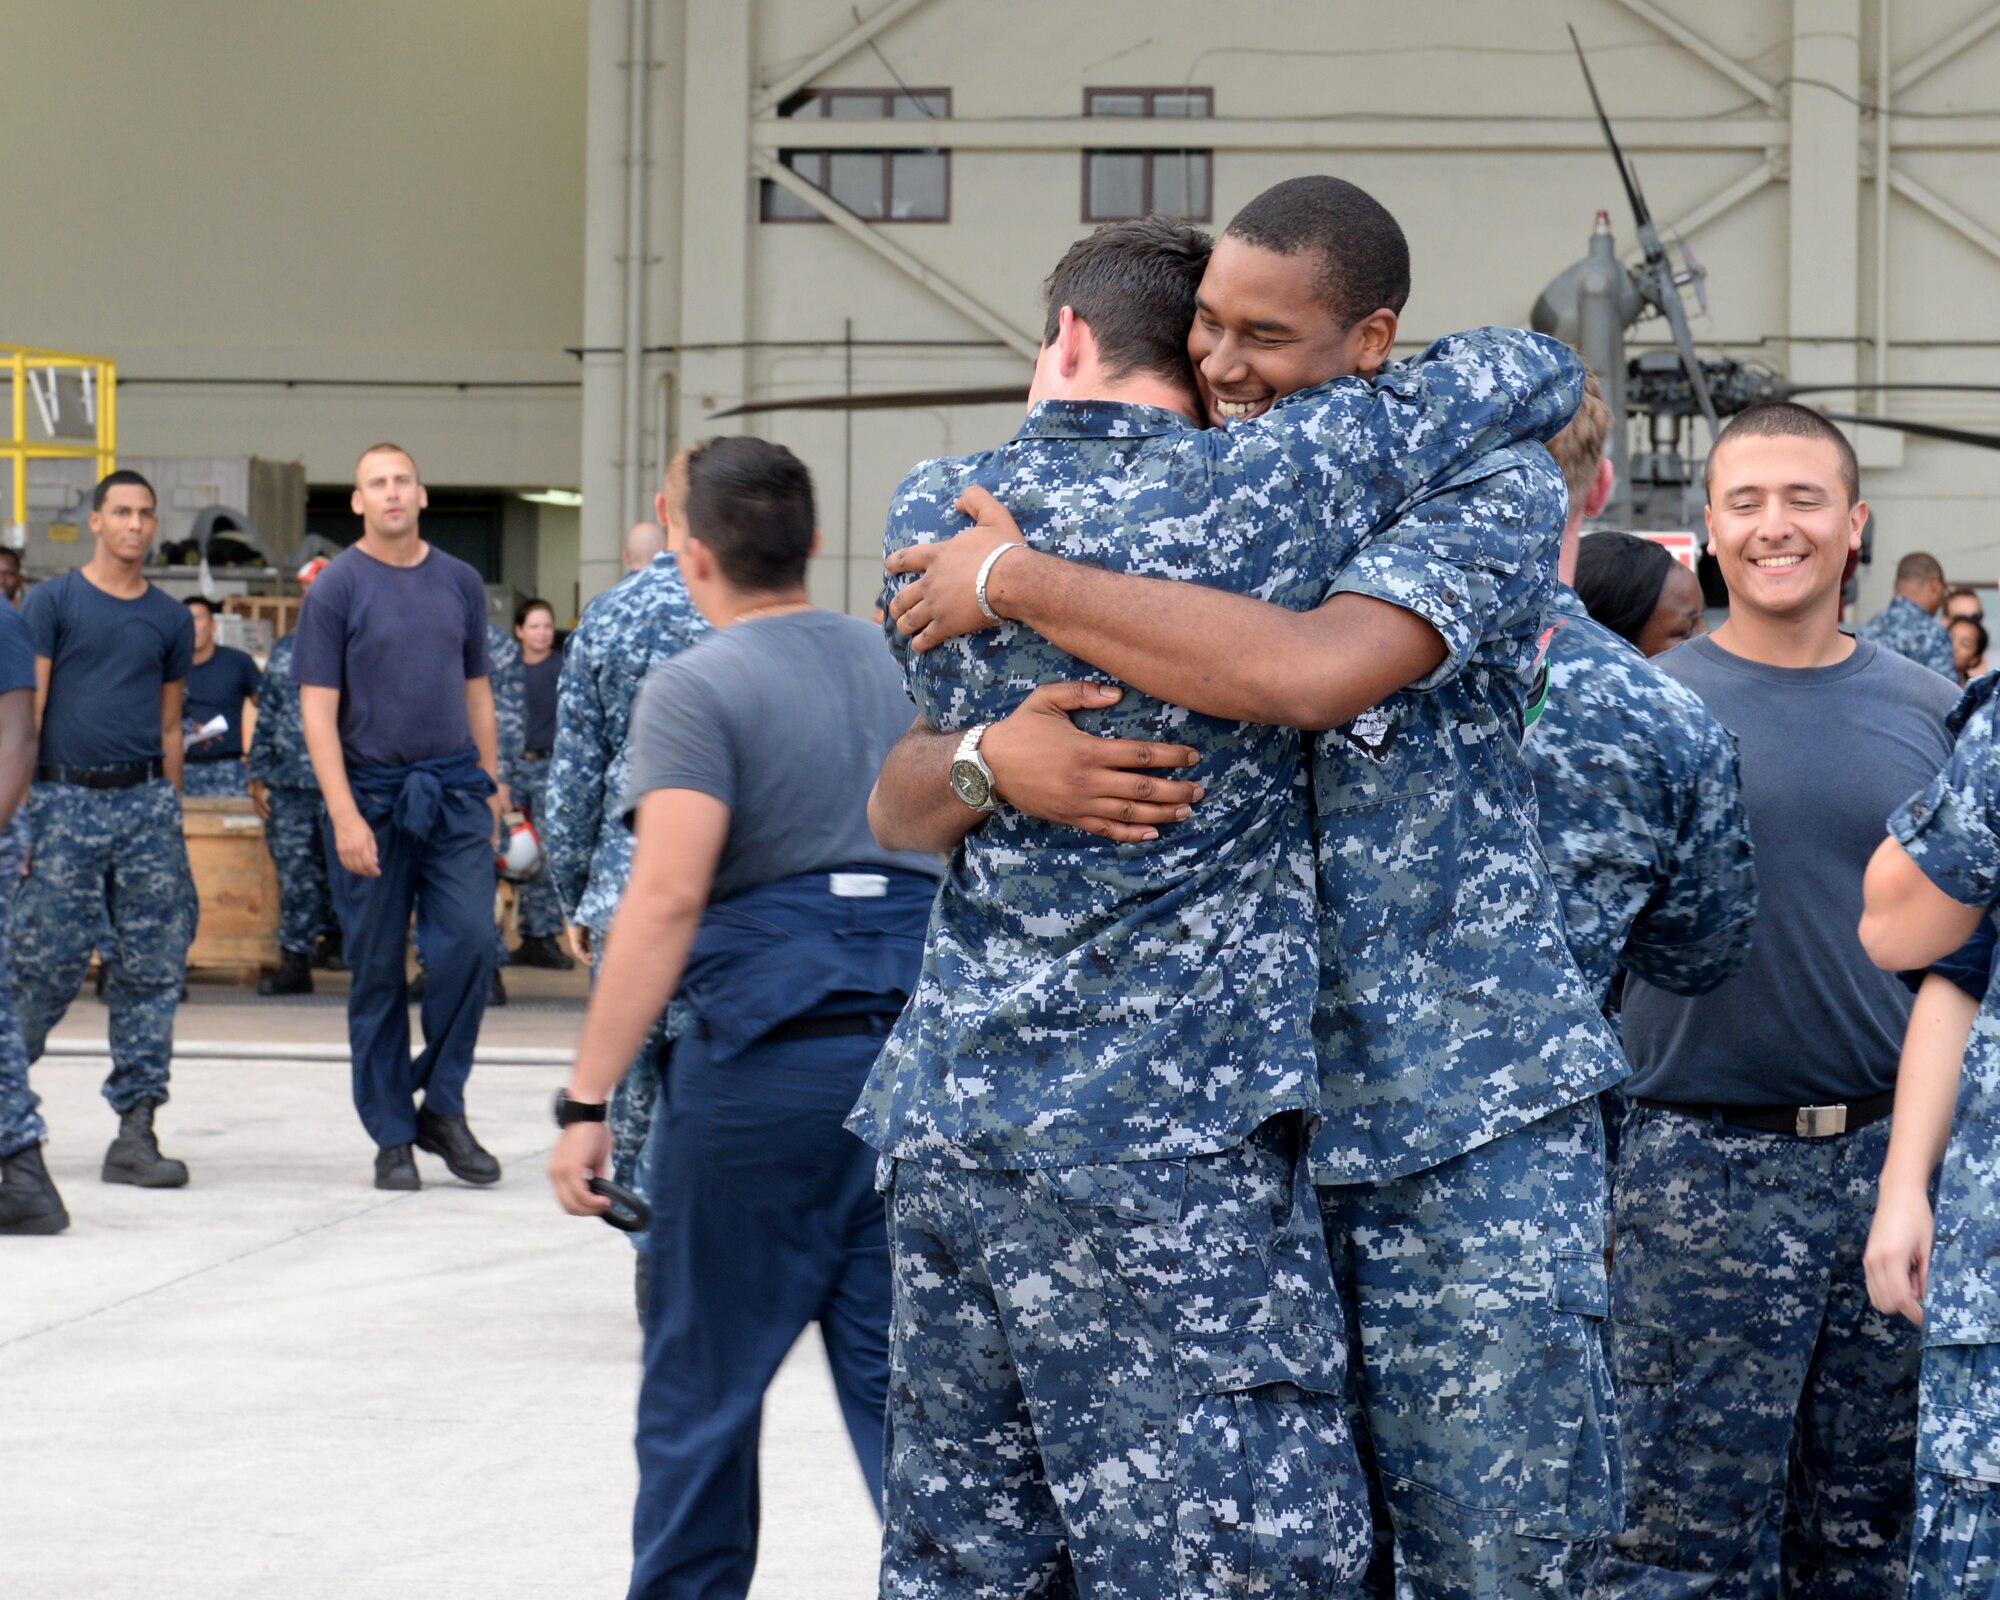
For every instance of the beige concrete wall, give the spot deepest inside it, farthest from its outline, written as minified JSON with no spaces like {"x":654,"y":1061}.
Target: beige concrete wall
{"x":354,"y":189}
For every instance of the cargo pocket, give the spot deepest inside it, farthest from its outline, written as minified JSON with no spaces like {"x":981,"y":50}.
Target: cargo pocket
{"x":1572,"y":1489}
{"x":1649,"y":1435}
{"x":1958,"y":1425}
{"x":1270,"y":1496}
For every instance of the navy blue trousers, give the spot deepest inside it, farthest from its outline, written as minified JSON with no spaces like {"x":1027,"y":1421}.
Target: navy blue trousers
{"x":765,"y":1219}
{"x":447,"y":879}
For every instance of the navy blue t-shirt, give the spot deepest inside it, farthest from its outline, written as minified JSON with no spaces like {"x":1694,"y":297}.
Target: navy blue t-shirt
{"x":400,"y":644}
{"x":108,"y":661}
{"x":218,"y":687}
{"x":17,"y":652}
{"x":540,"y":682}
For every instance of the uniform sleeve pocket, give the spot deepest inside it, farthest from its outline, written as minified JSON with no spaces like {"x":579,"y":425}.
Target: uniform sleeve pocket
{"x":1958,"y":1426}
{"x":1583,"y":1284}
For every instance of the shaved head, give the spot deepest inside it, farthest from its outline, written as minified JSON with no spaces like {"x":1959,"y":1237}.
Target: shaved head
{"x":643,"y":541}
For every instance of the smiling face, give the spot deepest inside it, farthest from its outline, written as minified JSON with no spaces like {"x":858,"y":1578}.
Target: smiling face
{"x":1263,"y":329}
{"x":1780,"y":523}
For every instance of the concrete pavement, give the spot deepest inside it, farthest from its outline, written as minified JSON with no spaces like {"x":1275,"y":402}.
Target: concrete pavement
{"x":279,"y":1382}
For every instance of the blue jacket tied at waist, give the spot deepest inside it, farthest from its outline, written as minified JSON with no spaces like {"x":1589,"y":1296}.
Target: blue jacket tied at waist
{"x":842,"y":943}
{"x":424,"y":794}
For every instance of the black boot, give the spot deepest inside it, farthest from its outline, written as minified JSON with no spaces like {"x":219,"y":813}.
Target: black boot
{"x":541,"y":950}
{"x":450,"y":1137}
{"x":293,"y":975}
{"x":396,"y":1168}
{"x":134,"y":1156}
{"x":28,"y":1199}
{"x":329,"y":955}
{"x":497,"y":995}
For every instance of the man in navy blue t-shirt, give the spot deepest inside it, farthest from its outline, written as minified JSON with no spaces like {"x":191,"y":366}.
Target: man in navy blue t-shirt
{"x":394,"y":690}
{"x":112,"y":655}
{"x":28,"y":1199}
{"x":219,"y":681}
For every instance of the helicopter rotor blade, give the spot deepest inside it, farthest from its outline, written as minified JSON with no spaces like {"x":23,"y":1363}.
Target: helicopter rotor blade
{"x":1891,"y":388}
{"x":892,"y":400}
{"x":1921,"y":430}
{"x":1625,"y":173}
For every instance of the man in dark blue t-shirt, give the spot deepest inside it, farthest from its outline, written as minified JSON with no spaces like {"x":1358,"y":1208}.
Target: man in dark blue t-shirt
{"x":112,"y":655}
{"x":220,"y":680}
{"x":394,"y":689}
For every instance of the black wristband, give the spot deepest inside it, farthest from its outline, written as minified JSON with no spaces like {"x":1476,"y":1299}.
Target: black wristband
{"x":569,"y":1112}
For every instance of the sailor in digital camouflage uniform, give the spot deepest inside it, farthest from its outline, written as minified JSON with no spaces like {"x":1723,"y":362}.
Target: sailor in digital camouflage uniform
{"x":1765,"y":1406}
{"x":623,"y":634}
{"x":1116,"y":1357}
{"x":108,"y":848}
{"x":283,"y":785}
{"x":1460,"y":1164}
{"x":1935,"y":881}
{"x":1908,"y":624}
{"x":1637,"y":787}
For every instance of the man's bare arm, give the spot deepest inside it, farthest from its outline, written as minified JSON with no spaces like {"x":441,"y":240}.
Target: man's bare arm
{"x":485,"y":723}
{"x":17,"y":752}
{"x":1226,"y":655}
{"x":353,"y":839}
{"x":1042,"y":764}
{"x":173,"y":738}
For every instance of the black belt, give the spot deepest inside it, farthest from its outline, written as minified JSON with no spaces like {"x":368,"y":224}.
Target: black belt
{"x":535,"y":755}
{"x":844,"y":1027}
{"x":1802,"y":1122}
{"x":205,"y":758}
{"x":104,"y":777}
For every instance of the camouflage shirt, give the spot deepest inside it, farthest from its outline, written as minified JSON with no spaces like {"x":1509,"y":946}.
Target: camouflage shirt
{"x":1952,"y":831}
{"x":1083,"y":1001}
{"x":1642,"y":814}
{"x":1450,"y":1009}
{"x":1906,"y":628}
{"x":510,"y":700}
{"x":278,"y":743}
{"x":623,"y":634}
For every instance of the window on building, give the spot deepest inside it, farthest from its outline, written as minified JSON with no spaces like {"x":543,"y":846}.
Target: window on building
{"x":878,"y":185}
{"x":1118,"y":184}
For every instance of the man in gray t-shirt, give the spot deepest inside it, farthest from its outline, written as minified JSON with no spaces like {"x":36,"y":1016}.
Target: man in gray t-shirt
{"x":760,"y":897}
{"x":1751,"y":1370}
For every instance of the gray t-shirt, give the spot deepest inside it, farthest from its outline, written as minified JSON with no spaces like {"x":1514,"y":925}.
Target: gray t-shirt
{"x":1827,"y":754}
{"x":785,"y":720}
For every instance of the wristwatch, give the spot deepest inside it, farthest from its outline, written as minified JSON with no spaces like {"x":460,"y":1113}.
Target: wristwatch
{"x":971,"y":777}
{"x":569,"y":1112}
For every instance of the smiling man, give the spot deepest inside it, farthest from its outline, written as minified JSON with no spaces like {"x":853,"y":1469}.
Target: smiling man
{"x":1742,"y":1339}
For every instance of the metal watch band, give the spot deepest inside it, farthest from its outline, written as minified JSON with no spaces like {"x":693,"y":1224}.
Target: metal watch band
{"x":985,"y":572}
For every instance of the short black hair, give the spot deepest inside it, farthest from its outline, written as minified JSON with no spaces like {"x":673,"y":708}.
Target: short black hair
{"x":528,"y":607}
{"x":201,"y":600}
{"x":112,"y":480}
{"x":751,"y":503}
{"x":1985,"y":639}
{"x":1918,"y":567}
{"x":1133,"y":285}
{"x":1619,"y":577}
{"x":12,"y":555}
{"x":1364,"y":258}
{"x":1786,"y":419}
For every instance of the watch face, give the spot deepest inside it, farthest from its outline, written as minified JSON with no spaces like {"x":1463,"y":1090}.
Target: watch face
{"x":970,"y":784}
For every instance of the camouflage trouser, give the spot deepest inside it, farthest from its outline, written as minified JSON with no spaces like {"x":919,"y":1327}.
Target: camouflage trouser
{"x":1956,"y":1552}
{"x":1749,"y":1362}
{"x":292,"y":835}
{"x":538,"y":910}
{"x":204,"y":778}
{"x":1121,"y":1381}
{"x":20,"y":1122}
{"x":1475,"y":1297}
{"x":116,"y":855}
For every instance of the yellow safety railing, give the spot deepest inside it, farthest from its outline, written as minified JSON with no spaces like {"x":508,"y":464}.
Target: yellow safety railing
{"x":100,"y":375}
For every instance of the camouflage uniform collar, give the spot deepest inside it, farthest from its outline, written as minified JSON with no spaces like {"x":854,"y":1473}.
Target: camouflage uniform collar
{"x":1100,"y":419}
{"x":1569,"y":603}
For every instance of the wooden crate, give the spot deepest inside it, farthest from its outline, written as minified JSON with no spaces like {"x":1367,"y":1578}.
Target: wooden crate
{"x":236,"y":881}
{"x":281,"y":611}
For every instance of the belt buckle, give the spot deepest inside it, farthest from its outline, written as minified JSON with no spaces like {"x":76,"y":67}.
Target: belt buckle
{"x":1820,"y":1122}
